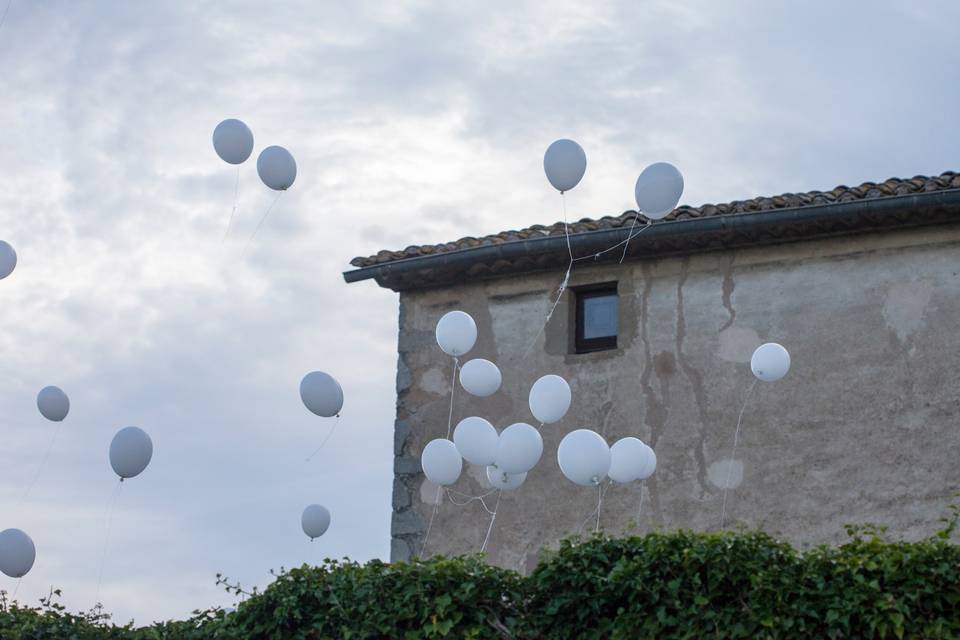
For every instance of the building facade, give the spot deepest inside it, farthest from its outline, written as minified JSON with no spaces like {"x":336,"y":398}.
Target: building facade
{"x":861,"y":285}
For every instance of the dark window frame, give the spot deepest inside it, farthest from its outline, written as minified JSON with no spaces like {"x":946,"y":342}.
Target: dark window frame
{"x":581,"y":294}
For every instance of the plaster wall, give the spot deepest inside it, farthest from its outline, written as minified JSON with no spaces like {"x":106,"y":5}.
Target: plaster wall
{"x":863,"y":429}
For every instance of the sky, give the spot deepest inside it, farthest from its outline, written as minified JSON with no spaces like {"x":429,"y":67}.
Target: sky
{"x":411,"y":123}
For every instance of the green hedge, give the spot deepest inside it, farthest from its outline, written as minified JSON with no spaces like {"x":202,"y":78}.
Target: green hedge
{"x":676,"y":585}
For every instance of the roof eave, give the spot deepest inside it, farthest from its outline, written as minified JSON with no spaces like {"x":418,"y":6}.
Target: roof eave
{"x":668,"y":238}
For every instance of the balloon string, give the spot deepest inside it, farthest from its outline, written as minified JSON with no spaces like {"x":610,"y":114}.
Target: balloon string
{"x":599,"y":505}
{"x":453,"y":389}
{"x":106,"y":541}
{"x":3,"y":18}
{"x":566,"y":277}
{"x":640,"y":508}
{"x":595,"y":511}
{"x":436,"y":507}
{"x":259,"y":224}
{"x":329,"y":433}
{"x":43,"y":464}
{"x":493,"y":518}
{"x":469,"y":499}
{"x":236,"y":202}
{"x":629,"y":237}
{"x":736,"y":437}
{"x":16,"y":588}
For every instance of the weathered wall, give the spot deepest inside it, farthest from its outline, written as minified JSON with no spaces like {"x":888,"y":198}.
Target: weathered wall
{"x":863,"y":429}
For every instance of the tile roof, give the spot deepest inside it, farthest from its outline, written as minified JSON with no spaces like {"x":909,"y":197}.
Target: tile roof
{"x":866,"y":191}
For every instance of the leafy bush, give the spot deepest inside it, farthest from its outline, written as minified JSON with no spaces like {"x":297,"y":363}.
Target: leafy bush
{"x":676,"y":585}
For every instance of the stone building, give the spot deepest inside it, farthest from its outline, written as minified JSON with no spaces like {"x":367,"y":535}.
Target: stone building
{"x":861,"y":284}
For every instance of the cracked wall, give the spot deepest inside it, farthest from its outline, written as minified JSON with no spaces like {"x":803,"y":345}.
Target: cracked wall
{"x":863,"y":429}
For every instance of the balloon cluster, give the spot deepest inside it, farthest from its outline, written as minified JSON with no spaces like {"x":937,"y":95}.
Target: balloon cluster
{"x":508,"y":456}
{"x":657,"y":190}
{"x":233,"y":142}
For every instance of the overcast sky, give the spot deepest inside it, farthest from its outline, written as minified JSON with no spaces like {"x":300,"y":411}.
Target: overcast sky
{"x":411,"y":123}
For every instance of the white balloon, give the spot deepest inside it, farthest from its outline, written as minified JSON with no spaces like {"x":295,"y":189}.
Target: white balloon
{"x":584,"y":457}
{"x":476,"y":440}
{"x":233,"y":141}
{"x":456,"y":333}
{"x":321,"y":394}
{"x":130,"y":452}
{"x":550,"y":398}
{"x":53,"y":403}
{"x":564,"y":163}
{"x":519,"y":448}
{"x":441,"y":462}
{"x":658,"y":190}
{"x":628,"y":460}
{"x":17,"y":553}
{"x":315,"y":521}
{"x":277,"y":168}
{"x":649,"y":463}
{"x":504,"y":481}
{"x":480,"y":377}
{"x":770,"y":362}
{"x":8,"y":259}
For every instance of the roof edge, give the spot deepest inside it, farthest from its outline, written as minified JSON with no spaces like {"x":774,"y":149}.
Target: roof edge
{"x":669,"y":238}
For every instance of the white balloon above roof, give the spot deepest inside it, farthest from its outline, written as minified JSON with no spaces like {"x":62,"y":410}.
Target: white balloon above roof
{"x":658,"y":190}
{"x":564,"y":163}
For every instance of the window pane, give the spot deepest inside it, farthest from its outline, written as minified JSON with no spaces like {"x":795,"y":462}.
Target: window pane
{"x":599,"y":317}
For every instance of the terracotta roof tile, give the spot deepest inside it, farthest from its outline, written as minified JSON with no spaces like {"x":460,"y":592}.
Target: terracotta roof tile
{"x":842,"y":193}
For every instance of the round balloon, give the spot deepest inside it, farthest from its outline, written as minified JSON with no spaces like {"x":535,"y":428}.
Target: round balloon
{"x":480,"y":377}
{"x":504,"y":481}
{"x":53,"y":403}
{"x":233,"y":141}
{"x":277,"y":168}
{"x":441,"y":462}
{"x":8,"y":259}
{"x":315,"y":521}
{"x":130,"y":452}
{"x":564,"y":163}
{"x":658,"y":190}
{"x":770,"y":362}
{"x":584,"y":457}
{"x":17,"y":553}
{"x":476,"y":440}
{"x":456,"y":333}
{"x":649,"y":463}
{"x":550,"y":398}
{"x":627,"y":460}
{"x":518,"y":449}
{"x":321,"y":394}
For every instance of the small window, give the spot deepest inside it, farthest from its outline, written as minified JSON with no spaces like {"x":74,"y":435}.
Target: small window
{"x":597,"y":318}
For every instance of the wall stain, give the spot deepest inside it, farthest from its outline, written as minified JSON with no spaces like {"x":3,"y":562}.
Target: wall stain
{"x":655,"y":414}
{"x":696,"y":381}
{"x":728,"y":285}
